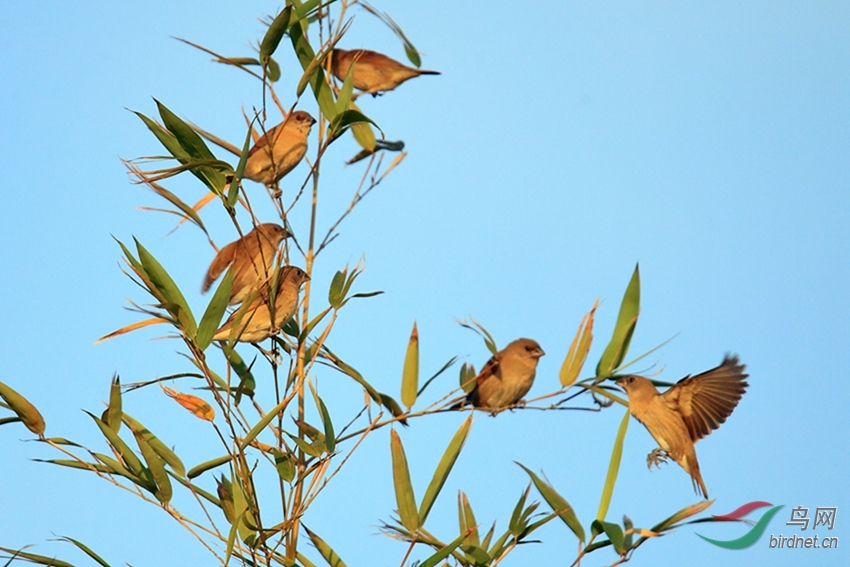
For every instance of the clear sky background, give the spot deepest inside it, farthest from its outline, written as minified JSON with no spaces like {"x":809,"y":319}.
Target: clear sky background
{"x":563,"y":143}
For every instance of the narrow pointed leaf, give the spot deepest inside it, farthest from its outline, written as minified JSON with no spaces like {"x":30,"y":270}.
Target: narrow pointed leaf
{"x":327,"y":424}
{"x":275,"y":33}
{"x":444,"y":467}
{"x":197,"y":470}
{"x":114,"y":411}
{"x":85,"y":549}
{"x":156,"y":466}
{"x":200,"y":408}
{"x":175,"y":302}
{"x":558,"y":504}
{"x":613,"y":470}
{"x":34,"y":558}
{"x":211,"y":320}
{"x":410,"y":374}
{"x":468,"y":523}
{"x":335,"y":295}
{"x":321,"y":89}
{"x":571,"y":368}
{"x":157,"y":445}
{"x":325,"y":550}
{"x":405,"y":500}
{"x":27,"y":412}
{"x":443,"y":552}
{"x":616,"y":350}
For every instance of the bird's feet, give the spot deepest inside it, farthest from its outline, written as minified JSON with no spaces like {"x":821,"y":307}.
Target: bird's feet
{"x":656,"y":457}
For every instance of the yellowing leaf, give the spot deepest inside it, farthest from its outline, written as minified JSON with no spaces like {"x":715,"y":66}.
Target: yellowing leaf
{"x":579,"y":348}
{"x":194,"y":404}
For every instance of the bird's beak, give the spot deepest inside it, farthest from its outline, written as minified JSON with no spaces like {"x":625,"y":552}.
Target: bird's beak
{"x":619,"y":383}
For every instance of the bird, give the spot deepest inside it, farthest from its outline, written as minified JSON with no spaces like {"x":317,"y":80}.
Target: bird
{"x":685,"y":413}
{"x":252,"y":256}
{"x":506,"y":377}
{"x":373,"y":72}
{"x":257,"y":322}
{"x":280,"y":149}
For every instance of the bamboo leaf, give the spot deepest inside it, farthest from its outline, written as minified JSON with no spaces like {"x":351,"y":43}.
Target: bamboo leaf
{"x":198,"y":470}
{"x":274,"y":34}
{"x":613,"y":470}
{"x":160,"y":448}
{"x":175,"y":303}
{"x":321,"y":89}
{"x":27,"y":412}
{"x":571,"y":368}
{"x":405,"y":500}
{"x":410,"y":373}
{"x":85,"y":549}
{"x":114,"y":411}
{"x":330,"y":439}
{"x":558,"y":504}
{"x":156,"y":466}
{"x":211,"y":320}
{"x":325,"y":550}
{"x":444,"y":467}
{"x":617,"y":348}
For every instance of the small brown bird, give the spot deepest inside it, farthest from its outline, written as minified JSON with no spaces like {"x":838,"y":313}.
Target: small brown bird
{"x":280,"y":149}
{"x":506,"y":377}
{"x":688,"y":411}
{"x":252,"y":256}
{"x":373,"y":72}
{"x":256,"y":324}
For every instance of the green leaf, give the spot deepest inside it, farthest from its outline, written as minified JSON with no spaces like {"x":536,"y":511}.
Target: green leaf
{"x":113,"y":411}
{"x":410,"y":373}
{"x":351,"y":372}
{"x":157,"y":445}
{"x":33,"y":558}
{"x":306,"y":55}
{"x":27,"y":412}
{"x":571,"y":367}
{"x":156,"y":466}
{"x":613,"y":469}
{"x":327,"y":553}
{"x":335,"y":295}
{"x":175,"y":303}
{"x":405,"y":500}
{"x":444,"y":467}
{"x":193,"y":148}
{"x":467,"y":523}
{"x":85,"y":549}
{"x":134,"y":464}
{"x":275,"y":33}
{"x":616,"y":350}
{"x":327,"y":424}
{"x":346,"y":119}
{"x":558,"y":504}
{"x":467,"y":377}
{"x":443,"y":552}
{"x":198,"y":470}
{"x":613,"y":531}
{"x":233,"y":190}
{"x":211,"y":320}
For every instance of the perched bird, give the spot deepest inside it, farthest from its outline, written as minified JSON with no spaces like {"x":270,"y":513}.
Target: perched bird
{"x":252,"y":256}
{"x":506,"y":377}
{"x":688,"y":411}
{"x":256,"y":322}
{"x":280,"y":149}
{"x":373,"y":72}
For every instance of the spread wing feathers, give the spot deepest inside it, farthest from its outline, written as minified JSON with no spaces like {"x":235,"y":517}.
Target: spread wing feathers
{"x":705,"y":401}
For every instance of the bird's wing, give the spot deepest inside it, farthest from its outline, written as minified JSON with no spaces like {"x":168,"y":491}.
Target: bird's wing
{"x":219,"y":264}
{"x":705,"y":401}
{"x":490,"y":370}
{"x":271,"y":134}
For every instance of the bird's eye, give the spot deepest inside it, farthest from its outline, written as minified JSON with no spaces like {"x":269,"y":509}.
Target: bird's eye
{"x":631,"y":379}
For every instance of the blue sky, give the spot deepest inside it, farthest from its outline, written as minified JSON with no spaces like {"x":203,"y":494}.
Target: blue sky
{"x":563,"y":143}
